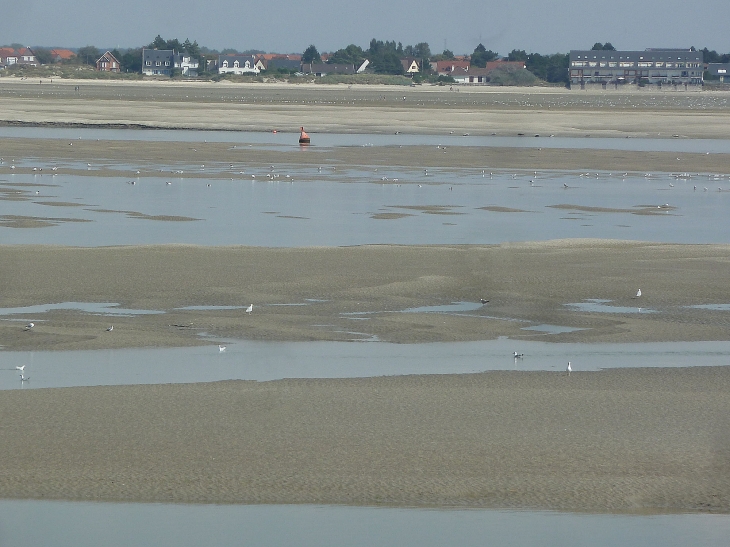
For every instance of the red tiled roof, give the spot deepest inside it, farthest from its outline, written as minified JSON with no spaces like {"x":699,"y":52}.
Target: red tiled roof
{"x":64,"y":54}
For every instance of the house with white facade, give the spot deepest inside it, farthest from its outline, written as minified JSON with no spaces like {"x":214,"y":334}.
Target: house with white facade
{"x":21,"y":57}
{"x":237,"y":64}
{"x":163,"y":62}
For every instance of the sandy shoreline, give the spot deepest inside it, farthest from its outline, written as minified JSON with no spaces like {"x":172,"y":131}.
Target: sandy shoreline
{"x":367,"y":109}
{"x":622,"y":440}
{"x":313,"y":293}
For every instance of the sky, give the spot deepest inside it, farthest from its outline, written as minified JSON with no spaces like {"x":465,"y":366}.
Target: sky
{"x":285,"y":26}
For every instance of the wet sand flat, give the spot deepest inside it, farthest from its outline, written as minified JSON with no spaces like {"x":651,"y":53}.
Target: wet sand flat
{"x":149,"y":156}
{"x":623,"y":440}
{"x":366,"y":109}
{"x":351,"y":293}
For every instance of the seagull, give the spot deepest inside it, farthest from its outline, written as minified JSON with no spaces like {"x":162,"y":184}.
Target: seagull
{"x":21,"y":369}
{"x":519,"y":355}
{"x":638,"y":294}
{"x":221,"y":348}
{"x":24,"y":378}
{"x":569,"y":369}
{"x":249,"y":309}
{"x":483,"y":301}
{"x":111,"y":328}
{"x":29,"y":326}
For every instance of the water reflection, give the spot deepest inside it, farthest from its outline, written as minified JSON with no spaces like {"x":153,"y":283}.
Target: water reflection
{"x":32,"y":523}
{"x":262,"y":361}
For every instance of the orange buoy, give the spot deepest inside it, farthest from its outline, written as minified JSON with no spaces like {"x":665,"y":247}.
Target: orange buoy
{"x":303,"y":138}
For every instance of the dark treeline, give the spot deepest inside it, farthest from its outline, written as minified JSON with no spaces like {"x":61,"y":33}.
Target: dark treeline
{"x":384,"y":56}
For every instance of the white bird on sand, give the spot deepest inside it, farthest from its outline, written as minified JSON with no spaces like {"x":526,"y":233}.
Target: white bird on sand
{"x":569,"y":369}
{"x":111,"y":328}
{"x":638,"y":294}
{"x":221,"y":348}
{"x":249,"y":309}
{"x":21,"y":369}
{"x":29,"y":326}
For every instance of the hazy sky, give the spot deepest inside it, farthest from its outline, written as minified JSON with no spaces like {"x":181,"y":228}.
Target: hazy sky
{"x":289,"y":26}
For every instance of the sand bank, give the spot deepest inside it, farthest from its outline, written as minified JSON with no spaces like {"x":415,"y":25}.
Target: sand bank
{"x":640,"y":440}
{"x":149,"y":156}
{"x":366,"y":109}
{"x":330,"y":293}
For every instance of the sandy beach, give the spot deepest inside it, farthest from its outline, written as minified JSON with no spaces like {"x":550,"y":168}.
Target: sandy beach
{"x":629,"y":441}
{"x":616,"y":441}
{"x":366,"y":109}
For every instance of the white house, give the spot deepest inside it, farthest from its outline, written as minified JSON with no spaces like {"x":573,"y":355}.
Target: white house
{"x":237,"y":64}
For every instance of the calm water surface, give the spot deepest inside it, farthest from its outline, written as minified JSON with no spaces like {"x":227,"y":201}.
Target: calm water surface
{"x":262,"y":361}
{"x":353,"y":139}
{"x":354,"y":207}
{"x":32,"y":523}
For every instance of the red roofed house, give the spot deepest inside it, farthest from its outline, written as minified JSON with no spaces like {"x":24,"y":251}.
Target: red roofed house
{"x":445,"y":68}
{"x":62,"y":55}
{"x":10,"y":56}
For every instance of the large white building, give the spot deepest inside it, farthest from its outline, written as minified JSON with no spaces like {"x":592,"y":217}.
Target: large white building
{"x":652,"y":66}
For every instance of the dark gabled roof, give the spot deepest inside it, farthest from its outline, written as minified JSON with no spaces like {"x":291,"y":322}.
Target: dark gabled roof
{"x":108,"y":56}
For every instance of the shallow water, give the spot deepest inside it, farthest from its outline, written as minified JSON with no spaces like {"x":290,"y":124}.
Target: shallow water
{"x":79,"y":524}
{"x":354,"y":207}
{"x":259,"y":138}
{"x":263,"y":361}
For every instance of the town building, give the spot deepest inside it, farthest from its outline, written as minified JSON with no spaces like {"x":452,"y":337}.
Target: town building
{"x":410,"y":66}
{"x":237,"y":64}
{"x":445,"y":68}
{"x":60,"y":55}
{"x":651,"y":66}
{"x":108,"y":63}
{"x":719,"y":70}
{"x":23,"y":56}
{"x":322,"y":69}
{"x":284,"y":63}
{"x":164,"y":62}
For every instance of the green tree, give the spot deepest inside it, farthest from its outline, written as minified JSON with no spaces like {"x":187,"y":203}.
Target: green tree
{"x":384,"y":58}
{"x":158,"y":43}
{"x":352,"y":54}
{"x":517,"y":55}
{"x":482,"y":56}
{"x":131,"y":61}
{"x":43,"y":55}
{"x":88,"y":55}
{"x":422,"y":50}
{"x":311,"y":55}
{"x":608,"y":46}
